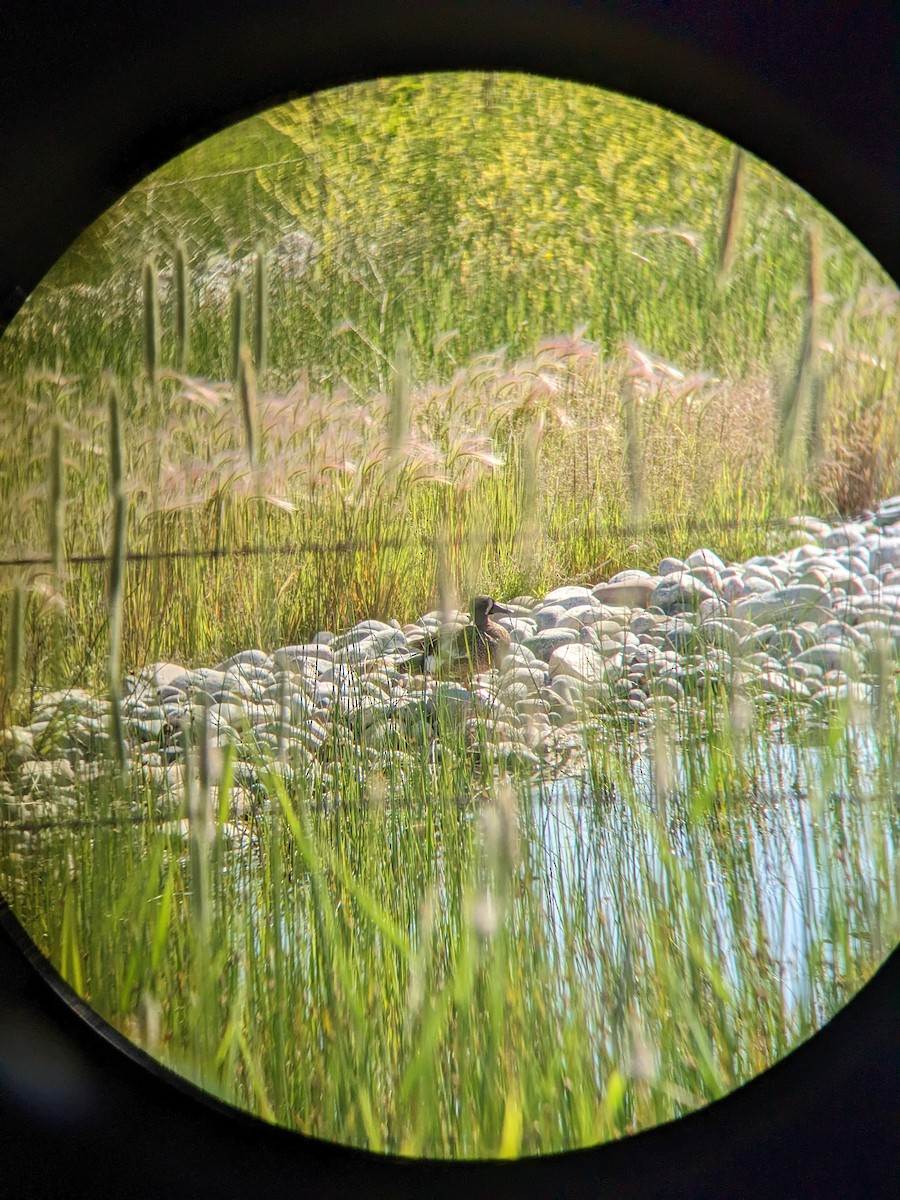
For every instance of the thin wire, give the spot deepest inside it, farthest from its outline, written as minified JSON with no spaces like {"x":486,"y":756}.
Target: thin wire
{"x":349,"y":547}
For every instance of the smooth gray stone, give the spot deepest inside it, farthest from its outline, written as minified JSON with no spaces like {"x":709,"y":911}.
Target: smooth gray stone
{"x":705,"y":558}
{"x":677,"y":632}
{"x":642,"y":623}
{"x":759,"y":584}
{"x":720,"y":632}
{"x":373,"y":646}
{"x":580,"y":615}
{"x":811,"y":525}
{"x":732,"y":586}
{"x":830,"y":655}
{"x":146,"y":729}
{"x":888,"y":512}
{"x":235,"y":687}
{"x":631,"y":593}
{"x":518,"y":655}
{"x":798,"y":600}
{"x":568,"y":596}
{"x":548,"y":616}
{"x":245,"y":658}
{"x":855,"y":695}
{"x":886,"y":554}
{"x":671,"y":566}
{"x":782,"y":686}
{"x":161,"y":674}
{"x":543,"y":644}
{"x":677,"y":593}
{"x":844,"y":535}
{"x":64,"y":700}
{"x":519,"y":628}
{"x":533,"y":676}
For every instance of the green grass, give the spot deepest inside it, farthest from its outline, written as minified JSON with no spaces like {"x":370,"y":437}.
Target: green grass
{"x":391,"y":953}
{"x":413,"y":971}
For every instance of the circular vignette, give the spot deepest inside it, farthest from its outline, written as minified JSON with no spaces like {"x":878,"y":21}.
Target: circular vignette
{"x":88,"y":111}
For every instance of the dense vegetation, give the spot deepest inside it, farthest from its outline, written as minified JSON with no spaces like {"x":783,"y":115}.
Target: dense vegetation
{"x":371,"y":352}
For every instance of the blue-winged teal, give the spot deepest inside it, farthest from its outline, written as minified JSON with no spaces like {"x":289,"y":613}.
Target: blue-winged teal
{"x":484,"y":642}
{"x":473,"y":648}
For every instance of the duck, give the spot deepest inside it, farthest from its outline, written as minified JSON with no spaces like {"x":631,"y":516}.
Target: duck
{"x":474,"y":648}
{"x":484,"y":643}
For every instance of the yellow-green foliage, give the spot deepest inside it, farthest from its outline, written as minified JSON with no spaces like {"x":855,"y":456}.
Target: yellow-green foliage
{"x":449,"y":215}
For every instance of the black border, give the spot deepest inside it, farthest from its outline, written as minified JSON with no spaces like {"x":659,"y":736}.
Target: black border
{"x":92,"y":97}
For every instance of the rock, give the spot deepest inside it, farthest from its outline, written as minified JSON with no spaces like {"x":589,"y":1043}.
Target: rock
{"x":542,"y":645}
{"x":162,"y":674}
{"x":586,"y":666}
{"x":830,"y":656}
{"x":679,"y":593}
{"x":568,"y":596}
{"x":632,"y":593}
{"x":787,"y":604}
{"x":519,"y":628}
{"x":17,"y":744}
{"x":705,"y":558}
{"x":245,"y":658}
{"x":671,"y":566}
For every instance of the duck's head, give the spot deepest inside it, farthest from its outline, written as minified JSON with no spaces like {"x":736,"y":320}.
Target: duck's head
{"x":484,"y":607}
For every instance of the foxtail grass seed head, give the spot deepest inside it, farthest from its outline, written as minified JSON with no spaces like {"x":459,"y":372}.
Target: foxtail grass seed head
{"x":149,"y":1022}
{"x":398,"y":417}
{"x":15,"y":646}
{"x":732,"y":217}
{"x":634,"y":451}
{"x":260,"y":310}
{"x":246,"y":384}
{"x":238,"y":318}
{"x":151,"y":322}
{"x":116,"y":578}
{"x":56,"y":499}
{"x":117,"y":563}
{"x":815,"y":283}
{"x":116,"y":461}
{"x":500,"y":830}
{"x":445,"y":588}
{"x":182,"y":307}
{"x":484,"y":914}
{"x":799,"y":427}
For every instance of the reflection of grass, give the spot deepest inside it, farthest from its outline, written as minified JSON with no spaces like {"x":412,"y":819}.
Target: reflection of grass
{"x":411,"y":971}
{"x":378,"y":962}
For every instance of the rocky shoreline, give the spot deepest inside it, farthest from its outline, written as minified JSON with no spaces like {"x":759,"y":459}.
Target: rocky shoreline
{"x":813,"y":628}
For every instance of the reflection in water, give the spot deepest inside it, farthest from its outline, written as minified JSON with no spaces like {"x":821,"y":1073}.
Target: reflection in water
{"x":787,"y":845}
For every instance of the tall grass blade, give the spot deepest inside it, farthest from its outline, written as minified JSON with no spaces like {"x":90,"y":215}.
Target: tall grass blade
{"x":182,"y":307}
{"x":398,"y":417}
{"x":246,"y":386}
{"x":260,"y":310}
{"x":56,"y":499}
{"x":732,"y":217}
{"x":117,"y":566}
{"x":151,"y":323}
{"x":238,"y":320}
{"x":798,"y":423}
{"x":634,"y":451}
{"x":15,"y":646}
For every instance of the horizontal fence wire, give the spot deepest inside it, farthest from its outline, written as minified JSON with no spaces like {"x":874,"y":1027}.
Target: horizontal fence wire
{"x":634,"y":529}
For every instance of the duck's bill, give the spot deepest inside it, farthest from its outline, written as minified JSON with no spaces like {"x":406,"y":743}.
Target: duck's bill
{"x":501,"y":610}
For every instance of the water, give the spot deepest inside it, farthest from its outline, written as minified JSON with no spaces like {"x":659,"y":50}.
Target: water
{"x":802,"y":857}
